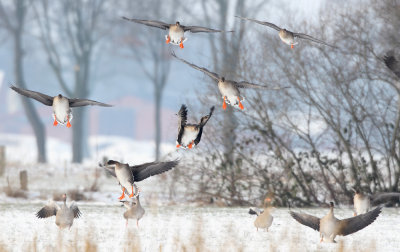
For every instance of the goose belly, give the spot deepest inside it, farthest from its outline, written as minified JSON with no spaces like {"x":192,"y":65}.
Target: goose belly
{"x":123,"y":176}
{"x":62,"y":111}
{"x":287,"y":38}
{"x":176,"y":35}
{"x":64,"y":219}
{"x":361,"y":206}
{"x":328,"y":229}
{"x":263,"y":221}
{"x":189,"y":135}
{"x":229,"y":91}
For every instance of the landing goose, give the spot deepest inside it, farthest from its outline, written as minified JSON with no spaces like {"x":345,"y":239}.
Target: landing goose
{"x":329,"y":226}
{"x":128,"y":175}
{"x":189,"y":135}
{"x":64,"y":215}
{"x":229,"y":89}
{"x":61,"y":105}
{"x":288,"y":37}
{"x":135,"y":210}
{"x":175,"y":31}
{"x":363,"y":202}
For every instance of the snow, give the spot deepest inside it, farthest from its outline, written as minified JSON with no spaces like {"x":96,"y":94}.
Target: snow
{"x":168,"y":228}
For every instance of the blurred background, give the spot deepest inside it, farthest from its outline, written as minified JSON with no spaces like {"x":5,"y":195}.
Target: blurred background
{"x":335,"y":128}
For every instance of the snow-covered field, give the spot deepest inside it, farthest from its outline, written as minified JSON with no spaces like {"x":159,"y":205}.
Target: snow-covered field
{"x":173,"y":228}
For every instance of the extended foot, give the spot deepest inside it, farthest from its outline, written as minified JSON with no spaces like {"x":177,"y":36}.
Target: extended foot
{"x":292,"y":46}
{"x":181,"y":45}
{"x":123,"y":194}
{"x":68,"y":123}
{"x":55,"y":122}
{"x":168,"y":40}
{"x":190,"y":145}
{"x":178,"y":145}
{"x":224,"y":104}
{"x":240,"y":104}
{"x":132,"y":194}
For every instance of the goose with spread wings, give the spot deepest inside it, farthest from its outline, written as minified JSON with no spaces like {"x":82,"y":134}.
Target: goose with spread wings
{"x":64,"y":215}
{"x":61,"y":105}
{"x":288,"y":37}
{"x":128,"y":175}
{"x":329,"y":226}
{"x":229,"y":89}
{"x":175,"y":31}
{"x":363,"y":202}
{"x":189,"y":135}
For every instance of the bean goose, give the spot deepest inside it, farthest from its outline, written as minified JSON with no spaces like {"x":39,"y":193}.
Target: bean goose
{"x":135,"y":210}
{"x":363,"y":202}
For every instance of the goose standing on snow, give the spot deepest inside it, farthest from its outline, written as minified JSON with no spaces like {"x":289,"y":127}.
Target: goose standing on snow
{"x":329,"y":226}
{"x":229,"y":89}
{"x":64,"y":215}
{"x":190,"y":134}
{"x":264,"y":217}
{"x":175,"y":31}
{"x":287,"y":36}
{"x":135,"y":210}
{"x":61,"y":105}
{"x":362,"y":202}
{"x":127,"y":175}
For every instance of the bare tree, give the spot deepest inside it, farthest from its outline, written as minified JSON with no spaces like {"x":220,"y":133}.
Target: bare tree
{"x":12,"y":19}
{"x":70,"y":32}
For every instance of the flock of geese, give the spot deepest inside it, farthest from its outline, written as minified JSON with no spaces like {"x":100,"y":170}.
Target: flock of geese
{"x":189,"y":135}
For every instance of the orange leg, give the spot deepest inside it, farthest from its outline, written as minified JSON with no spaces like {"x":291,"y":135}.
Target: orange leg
{"x":132,"y":194}
{"x":123,"y":194}
{"x":181,"y":44}
{"x":168,"y":39}
{"x":191,"y":145}
{"x":55,"y":122}
{"x":224,"y":104}
{"x":178,"y":145}
{"x":292,"y":46}
{"x":240,"y":104}
{"x":68,"y":123}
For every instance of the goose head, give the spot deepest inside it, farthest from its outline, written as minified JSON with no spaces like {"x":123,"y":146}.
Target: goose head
{"x":223,"y":79}
{"x":60,"y":96}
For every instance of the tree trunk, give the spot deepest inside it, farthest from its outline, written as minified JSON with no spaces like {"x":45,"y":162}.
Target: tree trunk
{"x":33,"y":117}
{"x":158,"y":96}
{"x":79,"y":138}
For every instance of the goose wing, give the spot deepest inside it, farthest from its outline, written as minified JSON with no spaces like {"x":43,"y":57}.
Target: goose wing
{"x":392,"y":63}
{"x":203,"y":122}
{"x":48,"y":210}
{"x":308,"y":37}
{"x":354,"y":224}
{"x":245,"y":84}
{"x":75,"y":210}
{"x":195,"y":29}
{"x":143,"y":171}
{"x":306,"y":219}
{"x":152,"y":23}
{"x":45,"y":99}
{"x":86,"y":102}
{"x":182,"y":119}
{"x":204,"y":70}
{"x":384,"y":197}
{"x":273,"y":26}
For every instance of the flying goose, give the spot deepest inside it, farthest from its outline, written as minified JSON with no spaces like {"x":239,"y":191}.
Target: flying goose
{"x":264,"y":217}
{"x":190,"y":134}
{"x":127,"y":175}
{"x":287,"y":36}
{"x":229,"y":89}
{"x":135,"y":210}
{"x":175,"y":31}
{"x":392,"y":63}
{"x":61,"y":105}
{"x":64,"y":215}
{"x":362,"y":202}
{"x":329,"y":226}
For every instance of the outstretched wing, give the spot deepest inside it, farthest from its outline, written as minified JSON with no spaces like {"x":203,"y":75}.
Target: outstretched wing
{"x":204,"y":70}
{"x":152,"y":23}
{"x":308,"y":37}
{"x":48,"y":210}
{"x":273,"y":26}
{"x":245,"y":84}
{"x":354,"y":224}
{"x":143,"y":171}
{"x":306,"y":219}
{"x":195,"y":29}
{"x":203,"y":122}
{"x":75,"y":209}
{"x":45,"y":99}
{"x":392,"y":63}
{"x":384,"y":197}
{"x":182,"y":119}
{"x":86,"y":102}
